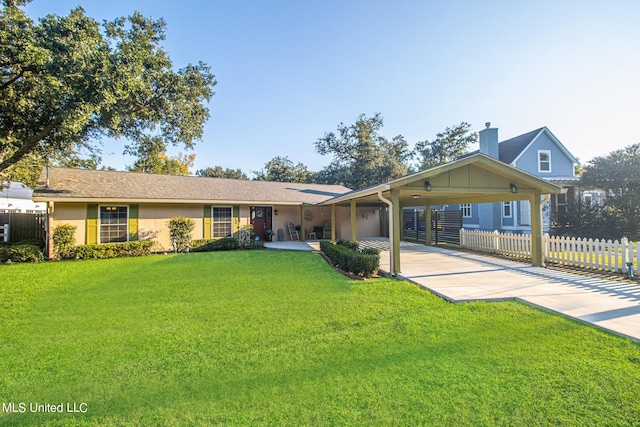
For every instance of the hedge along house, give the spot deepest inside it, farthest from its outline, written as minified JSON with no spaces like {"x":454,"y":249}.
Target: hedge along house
{"x":474,"y":179}
{"x":109,"y":206}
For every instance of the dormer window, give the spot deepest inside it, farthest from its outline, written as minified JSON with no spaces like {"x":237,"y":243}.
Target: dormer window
{"x":544,"y":161}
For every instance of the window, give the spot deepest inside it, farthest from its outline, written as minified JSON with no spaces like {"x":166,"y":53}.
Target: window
{"x":506,"y":210}
{"x":221,"y":220}
{"x":544,"y":161}
{"x":592,"y":198}
{"x":466,"y":210}
{"x":525,"y":213}
{"x":114,"y":224}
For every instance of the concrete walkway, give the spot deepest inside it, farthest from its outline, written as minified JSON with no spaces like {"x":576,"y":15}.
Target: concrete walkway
{"x":461,"y":276}
{"x":287,"y":245}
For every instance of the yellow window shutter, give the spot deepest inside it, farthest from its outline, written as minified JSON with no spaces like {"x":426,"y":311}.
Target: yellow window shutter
{"x":207,"y":222}
{"x":235,"y":212}
{"x":133,"y":222}
{"x":92,"y":224}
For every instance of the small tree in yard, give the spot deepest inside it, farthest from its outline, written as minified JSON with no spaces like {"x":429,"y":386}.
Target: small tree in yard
{"x":180,"y":229}
{"x":64,"y":240}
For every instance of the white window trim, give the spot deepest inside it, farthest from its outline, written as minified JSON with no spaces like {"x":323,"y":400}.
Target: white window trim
{"x":548,"y":153}
{"x":213,"y":222}
{"x":510,"y":209}
{"x":100,"y":220}
{"x":470,"y":210}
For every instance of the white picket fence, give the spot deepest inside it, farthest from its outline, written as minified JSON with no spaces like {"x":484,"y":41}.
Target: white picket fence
{"x":577,"y":252}
{"x":4,"y":233}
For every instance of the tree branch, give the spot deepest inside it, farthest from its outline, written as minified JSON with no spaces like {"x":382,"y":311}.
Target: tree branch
{"x":29,"y":144}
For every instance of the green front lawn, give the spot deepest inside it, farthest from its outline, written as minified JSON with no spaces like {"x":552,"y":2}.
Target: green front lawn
{"x":279,"y":338}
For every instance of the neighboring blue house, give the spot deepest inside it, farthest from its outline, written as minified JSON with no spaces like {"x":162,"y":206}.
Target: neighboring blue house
{"x":541,"y":154}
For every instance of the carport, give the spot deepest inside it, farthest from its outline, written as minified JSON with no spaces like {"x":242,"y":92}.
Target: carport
{"x":474,"y":179}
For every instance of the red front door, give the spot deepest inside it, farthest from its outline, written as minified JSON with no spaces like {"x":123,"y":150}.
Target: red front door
{"x":261,"y":221}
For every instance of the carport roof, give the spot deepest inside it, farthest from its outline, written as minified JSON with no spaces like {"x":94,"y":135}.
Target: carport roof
{"x":474,"y":179}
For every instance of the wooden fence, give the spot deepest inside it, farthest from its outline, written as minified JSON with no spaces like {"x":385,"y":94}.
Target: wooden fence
{"x":577,"y":252}
{"x":445,"y":225}
{"x":22,"y":226}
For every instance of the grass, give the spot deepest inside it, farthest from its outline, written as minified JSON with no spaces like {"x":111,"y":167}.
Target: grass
{"x":278,"y":338}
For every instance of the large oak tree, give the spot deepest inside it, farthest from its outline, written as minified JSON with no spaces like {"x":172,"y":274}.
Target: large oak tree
{"x":219,"y":172}
{"x":448,"y":145}
{"x":67,"y":81}
{"x":361,"y":155}
{"x":282,"y":169}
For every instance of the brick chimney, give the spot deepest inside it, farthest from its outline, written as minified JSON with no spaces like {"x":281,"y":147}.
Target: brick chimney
{"x":489,"y":141}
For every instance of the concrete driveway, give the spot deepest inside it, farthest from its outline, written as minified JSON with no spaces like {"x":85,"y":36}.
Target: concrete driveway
{"x":462,"y":276}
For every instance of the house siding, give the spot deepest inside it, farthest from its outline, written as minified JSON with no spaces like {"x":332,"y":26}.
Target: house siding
{"x":150,"y":221}
{"x":153,"y":222}
{"x":72,"y":214}
{"x":367,"y":222}
{"x":561,"y":165}
{"x":508,"y":221}
{"x":473,"y":220}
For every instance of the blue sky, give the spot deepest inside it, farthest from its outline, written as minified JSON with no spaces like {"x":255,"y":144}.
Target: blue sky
{"x":289,"y":71}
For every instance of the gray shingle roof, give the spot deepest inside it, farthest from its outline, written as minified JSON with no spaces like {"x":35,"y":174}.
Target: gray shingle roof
{"x":70,"y":184}
{"x":511,"y":148}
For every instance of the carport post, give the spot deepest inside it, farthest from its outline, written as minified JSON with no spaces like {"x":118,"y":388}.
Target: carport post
{"x":427,"y":218}
{"x":354,"y":234}
{"x":537,"y":239}
{"x":395,"y":243}
{"x":333,"y":223}
{"x":303,"y":224}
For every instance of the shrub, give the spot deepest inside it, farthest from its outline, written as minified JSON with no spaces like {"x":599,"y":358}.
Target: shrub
{"x":180,"y":229}
{"x":202,"y":245}
{"x":253,"y":244}
{"x":348,"y":244}
{"x":244,"y":235}
{"x":360,"y":263}
{"x":370,"y":251}
{"x":21,"y":253}
{"x":114,"y":250}
{"x":35,"y":242}
{"x":224,"y":244}
{"x":63,"y":240}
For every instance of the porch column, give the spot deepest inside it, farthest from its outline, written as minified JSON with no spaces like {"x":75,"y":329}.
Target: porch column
{"x":354,"y":234}
{"x":302,"y":224}
{"x":49,"y":230}
{"x":427,"y":216}
{"x":537,"y":239}
{"x":397,"y":226}
{"x":333,"y":223}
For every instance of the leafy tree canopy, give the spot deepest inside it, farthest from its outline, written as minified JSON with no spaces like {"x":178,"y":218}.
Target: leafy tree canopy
{"x":152,"y":158}
{"x":65,"y":82}
{"x":618,"y":174}
{"x":284,"y":170}
{"x":361,"y":156}
{"x":448,"y":146}
{"x":218,"y":172}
